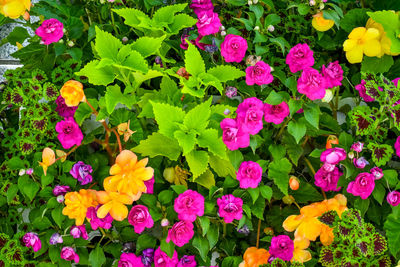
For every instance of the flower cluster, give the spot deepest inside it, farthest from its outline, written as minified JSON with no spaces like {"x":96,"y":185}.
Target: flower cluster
{"x":328,"y":175}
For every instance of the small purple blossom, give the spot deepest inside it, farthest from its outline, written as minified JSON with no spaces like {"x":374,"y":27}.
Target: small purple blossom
{"x":79,"y":231}
{"x":55,"y":239}
{"x":29,"y":171}
{"x":360,"y":163}
{"x":377,"y":173}
{"x":61,"y":190}
{"x":148,"y":257}
{"x":357,"y":146}
{"x":231,"y":92}
{"x":81,"y":171}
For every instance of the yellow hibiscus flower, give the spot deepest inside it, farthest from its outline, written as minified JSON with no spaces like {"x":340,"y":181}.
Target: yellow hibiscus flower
{"x":14,"y":8}
{"x":386,"y":43}
{"x":362,"y":41}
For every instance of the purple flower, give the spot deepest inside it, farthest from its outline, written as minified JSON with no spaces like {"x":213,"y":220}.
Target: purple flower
{"x":360,"y":163}
{"x":130,"y":260}
{"x":362,"y":186}
{"x":231,"y":92}
{"x":61,"y":190}
{"x":32,"y":240}
{"x":249,"y":115}
{"x":96,"y":222}
{"x":393,"y":198}
{"x":333,"y":74}
{"x":79,"y":231}
{"x":148,"y":257}
{"x":187,"y":261}
{"x":333,"y":155}
{"x":55,"y":239}
{"x":63,"y":110}
{"x":377,"y":173}
{"x":69,"y":254}
{"x":282,"y":247}
{"x":230,"y":208}
{"x":357,"y":146}
{"x":81,"y":171}
{"x":327,"y":180}
{"x":249,"y":174}
{"x":69,"y":133}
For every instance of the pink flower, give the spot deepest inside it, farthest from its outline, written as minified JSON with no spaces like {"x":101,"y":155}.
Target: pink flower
{"x":259,"y":74}
{"x":397,"y":146}
{"x":363,"y":92}
{"x":50,"y":31}
{"x":208,"y":23}
{"x":282,"y":247}
{"x":189,"y":205}
{"x":69,"y":254}
{"x":333,"y":74}
{"x":140,"y":218}
{"x":276,"y":113}
{"x":69,"y":133}
{"x":96,"y":222}
{"x":32,"y":240}
{"x":161,"y":259}
{"x":328,"y":180}
{"x":395,"y":81}
{"x":360,"y":163}
{"x":233,"y":48}
{"x":312,"y":84}
{"x":377,"y":173}
{"x":199,"y":6}
{"x":249,"y":174}
{"x":333,"y":155}
{"x":63,"y":110}
{"x":362,"y":186}
{"x":149,"y":186}
{"x":130,"y":260}
{"x":61,"y":190}
{"x":393,"y":198}
{"x":230,"y":208}
{"x":357,"y":147}
{"x":250,"y":113}
{"x":79,"y":231}
{"x":187,"y":261}
{"x":180,"y":233}
{"x":300,"y":57}
{"x":232,"y":134}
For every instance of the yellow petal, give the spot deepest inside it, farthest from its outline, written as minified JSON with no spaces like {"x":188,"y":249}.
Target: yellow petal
{"x":321,"y":24}
{"x":119,"y":211}
{"x":102,"y":197}
{"x":126,"y":157}
{"x":309,"y":229}
{"x":301,"y":255}
{"x":357,"y":33}
{"x":355,"y":55}
{"x":48,"y":156}
{"x":44,"y":166}
{"x":301,"y":243}
{"x":326,"y":236}
{"x":125,"y":199}
{"x":370,"y":34}
{"x":292,"y":222}
{"x":349,"y":44}
{"x":104,"y":210}
{"x":372,"y":48}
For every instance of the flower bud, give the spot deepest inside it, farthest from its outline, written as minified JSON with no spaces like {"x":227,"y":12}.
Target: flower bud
{"x":312,"y":2}
{"x":256,"y":28}
{"x":71,"y":43}
{"x":321,"y":6}
{"x":21,"y":172}
{"x":271,"y":28}
{"x":272,"y":69}
{"x":250,"y":2}
{"x":350,"y":155}
{"x":169,"y":174}
{"x":61,"y":41}
{"x":26,"y":16}
{"x":288,"y":199}
{"x":328,"y":96}
{"x":222,"y":28}
{"x":125,"y":39}
{"x":223,"y":33}
{"x":227,"y":111}
{"x":164,"y":222}
{"x":255,"y":2}
{"x":294,"y":183}
{"x":64,"y":30}
{"x":29,"y":171}
{"x":60,"y":199}
{"x":268,"y":231}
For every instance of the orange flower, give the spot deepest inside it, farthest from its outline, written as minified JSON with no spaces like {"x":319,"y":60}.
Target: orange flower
{"x":320,"y":23}
{"x":72,"y":92}
{"x":300,"y":254}
{"x":48,"y":158}
{"x":123,"y":129}
{"x":254,"y":257}
{"x":128,"y":175}
{"x":77,"y":203}
{"x":332,"y":139}
{"x":14,"y":8}
{"x":113,"y":203}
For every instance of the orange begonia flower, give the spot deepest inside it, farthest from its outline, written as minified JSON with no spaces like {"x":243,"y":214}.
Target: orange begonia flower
{"x":14,"y":8}
{"x":77,"y":203}
{"x":128,"y":175}
{"x":300,"y":254}
{"x":48,"y":158}
{"x":72,"y":92}
{"x":254,"y":257}
{"x":113,"y":203}
{"x":123,"y":129}
{"x":320,"y":23}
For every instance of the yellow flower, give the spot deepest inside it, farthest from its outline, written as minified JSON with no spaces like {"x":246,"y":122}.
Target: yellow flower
{"x":77,"y":203}
{"x":254,"y":257}
{"x":48,"y":158}
{"x":14,"y":8}
{"x":176,"y":175}
{"x":300,"y":254}
{"x":123,"y":129}
{"x":362,"y":41}
{"x":128,"y":175}
{"x":320,"y":23}
{"x":386,"y":43}
{"x":72,"y":92}
{"x":113,"y":203}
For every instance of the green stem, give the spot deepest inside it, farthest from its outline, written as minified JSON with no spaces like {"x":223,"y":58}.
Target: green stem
{"x":281,"y":129}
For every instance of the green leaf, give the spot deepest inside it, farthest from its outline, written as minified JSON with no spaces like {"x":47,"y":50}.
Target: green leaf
{"x":377,"y":65}
{"x":11,"y":193}
{"x":266,"y":192}
{"x":345,"y":140}
{"x":197,"y":118}
{"x":202,"y":245}
{"x":134,"y":17}
{"x":57,"y":215}
{"x":236,"y":157}
{"x":254,"y":193}
{"x":391,"y":24}
{"x":316,"y":153}
{"x":147,"y":46}
{"x":159,"y":145}
{"x":19,"y":34}
{"x":274,"y":98}
{"x":392,"y":228}
{"x":168,"y":248}
{"x":391,"y":176}
{"x":294,"y":151}
{"x":212,"y":235}
{"x":226,"y":73}
{"x":279,"y":172}
{"x":46,"y":179}
{"x":311,"y":113}
{"x":97,"y":76}
{"x":277,"y":151}
{"x":294,"y":106}
{"x":306,"y":193}
{"x":209,"y":139}
{"x":198,"y":162}
{"x":186,"y":140}
{"x":114,"y":96}
{"x":83,"y":112}
{"x":303,"y":9}
{"x":222,"y":167}
{"x":96,"y":257}
{"x":165,"y":196}
{"x":381,"y":154}
{"x":258,"y":208}
{"x":379,"y":193}
{"x":297,"y":130}
{"x":167,"y":117}
{"x":281,"y":42}
{"x":134,"y":62}
{"x":206,"y":179}
{"x":194,"y":63}
{"x":107,"y":45}
{"x":166,"y":14}
{"x":271,"y":19}
{"x":362,"y":205}
{"x":27,"y":186}
{"x":205,"y":224}
{"x":356,"y":17}
{"x":181,"y":21}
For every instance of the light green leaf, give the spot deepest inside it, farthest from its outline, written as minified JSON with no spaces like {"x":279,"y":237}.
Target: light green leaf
{"x":107,"y":45}
{"x":209,"y":80}
{"x":181,"y":21}
{"x":159,"y":145}
{"x":186,"y":140}
{"x":279,"y":172}
{"x":206,"y":179}
{"x":198,"y":162}
{"x":226,"y":73}
{"x":167,"y":117}
{"x":114,"y":96}
{"x":83,"y":112}
{"x":222,"y":167}
{"x":194,"y":63}
{"x":134,"y":62}
{"x":197,"y":118}
{"x":274,"y":98}
{"x":209,"y":139}
{"x":166,"y":14}
{"x":96,"y":257}
{"x":297,"y":129}
{"x":392,"y":228}
{"x":254,"y":193}
{"x":134,"y":17}
{"x":147,"y":46}
{"x":391,"y":24}
{"x":97,"y":76}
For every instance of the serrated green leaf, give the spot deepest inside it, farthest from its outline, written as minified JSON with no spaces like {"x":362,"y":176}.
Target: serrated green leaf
{"x":27,"y":186}
{"x":147,"y":46}
{"x":206,"y":179}
{"x":135,"y":62}
{"x":114,"y":96}
{"x":297,"y":129}
{"x":97,"y":76}
{"x":266,"y":192}
{"x":209,"y":139}
{"x":83,"y":112}
{"x":165,"y":15}
{"x":159,"y":145}
{"x":226,"y":73}
{"x":277,"y":151}
{"x":222,"y":167}
{"x":198,"y":162}
{"x":194,"y":63}
{"x":279,"y":172}
{"x":197,"y":118}
{"x":377,"y":65}
{"x":181,"y":21}
{"x":134,"y":17}
{"x":186,"y":140}
{"x":107,"y":45}
{"x":167,"y":117}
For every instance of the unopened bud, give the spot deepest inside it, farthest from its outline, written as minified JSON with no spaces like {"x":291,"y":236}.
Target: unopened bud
{"x":21,"y":172}
{"x":61,"y":41}
{"x":125,"y":39}
{"x":294,"y":183}
{"x":70,"y":43}
{"x":60,"y":199}
{"x":271,"y":28}
{"x":250,"y":2}
{"x":223,"y":33}
{"x":64,"y":30}
{"x":328,"y":96}
{"x":164,"y":222}
{"x":256,"y":28}
{"x":255,"y":1}
{"x":26,"y":16}
{"x":222,"y":28}
{"x":288,"y":199}
{"x":312,"y":2}
{"x":29,"y":171}
{"x":350,"y":155}
{"x":268,"y":231}
{"x":321,"y":6}
{"x":227,"y":111}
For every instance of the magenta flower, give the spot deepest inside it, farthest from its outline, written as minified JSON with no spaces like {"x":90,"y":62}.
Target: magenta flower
{"x":249,"y":174}
{"x":140,"y":218}
{"x":161,"y":259}
{"x":327,"y":180}
{"x":333,"y":74}
{"x":130,"y":260}
{"x":397,"y":146}
{"x":63,"y":110}
{"x":79,"y":231}
{"x":312,"y":84}
{"x":29,"y":171}
{"x":362,"y":186}
{"x":232,"y":134}
{"x":81,"y":171}
{"x":282,"y":247}
{"x":249,"y":115}
{"x":69,"y":133}
{"x":32,"y":240}
{"x":276,"y":113}
{"x":357,"y":146}
{"x":199,"y":6}
{"x":208,"y":23}
{"x":61,"y":190}
{"x":69,"y":254}
{"x":187,"y":261}
{"x":233,"y":48}
{"x":55,"y":239}
{"x":328,"y":167}
{"x":96,"y":222}
{"x":300,"y":57}
{"x":50,"y":31}
{"x":231,"y":92}
{"x":180,"y":233}
{"x":230,"y":208}
{"x":360,"y":163}
{"x":149,"y":186}
{"x":189,"y":205}
{"x":393,"y":198}
{"x":259,"y":74}
{"x":377,"y":173}
{"x":363,"y":92}
{"x":333,"y":155}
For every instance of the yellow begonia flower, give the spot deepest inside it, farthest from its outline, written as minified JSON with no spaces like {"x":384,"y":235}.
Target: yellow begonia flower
{"x":14,"y":8}
{"x":386,"y":43}
{"x":362,"y":41}
{"x":77,"y":203}
{"x":254,"y":257}
{"x":48,"y":158}
{"x":300,"y":252}
{"x":128,"y":175}
{"x":72,"y":92}
{"x":123,"y":129}
{"x":113,"y":203}
{"x":320,"y":23}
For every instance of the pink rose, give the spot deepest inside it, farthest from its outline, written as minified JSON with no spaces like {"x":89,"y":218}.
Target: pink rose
{"x":393,"y":198}
{"x":130,"y":260}
{"x":333,"y":155}
{"x":397,"y":146}
{"x":32,"y":240}
{"x":140,"y":218}
{"x":312,"y":84}
{"x":282,"y":247}
{"x":327,"y":180}
{"x":249,"y":115}
{"x":50,"y":31}
{"x":233,"y":48}
{"x":232,"y":134}
{"x":300,"y":57}
{"x":230,"y":208}
{"x":161,"y":259}
{"x":249,"y":174}
{"x":69,"y":133}
{"x":189,"y":205}
{"x":180,"y":233}
{"x":79,"y":231}
{"x":276,"y":113}
{"x":377,"y":173}
{"x":199,"y":6}
{"x":362,"y":186}
{"x":69,"y":254}
{"x":333,"y":74}
{"x":259,"y":74}
{"x":363,"y":92}
{"x":208,"y":23}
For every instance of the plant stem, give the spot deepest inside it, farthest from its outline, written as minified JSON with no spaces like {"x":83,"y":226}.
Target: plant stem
{"x":258,"y":232}
{"x":69,"y":152}
{"x":281,"y":129}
